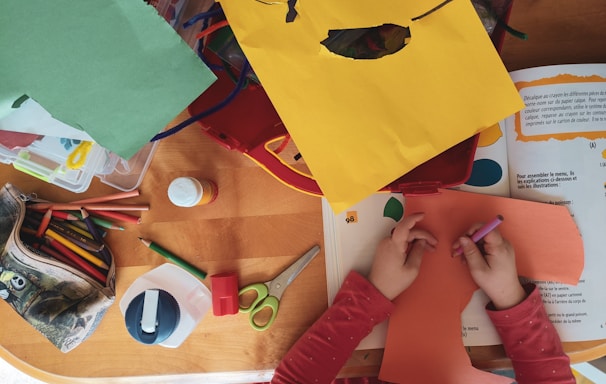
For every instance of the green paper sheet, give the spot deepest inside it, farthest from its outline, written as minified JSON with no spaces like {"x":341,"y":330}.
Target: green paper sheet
{"x":112,"y":68}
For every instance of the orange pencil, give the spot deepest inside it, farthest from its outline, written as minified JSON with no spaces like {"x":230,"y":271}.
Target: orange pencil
{"x":91,"y":207}
{"x":44,"y":223}
{"x":112,"y":197}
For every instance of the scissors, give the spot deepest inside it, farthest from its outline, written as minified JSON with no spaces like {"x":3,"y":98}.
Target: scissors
{"x":270,"y":292}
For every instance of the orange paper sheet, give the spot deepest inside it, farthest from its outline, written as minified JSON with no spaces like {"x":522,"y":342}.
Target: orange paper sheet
{"x":424,"y":342}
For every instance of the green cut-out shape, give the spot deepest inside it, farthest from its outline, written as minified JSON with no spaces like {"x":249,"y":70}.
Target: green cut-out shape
{"x":393,"y":209}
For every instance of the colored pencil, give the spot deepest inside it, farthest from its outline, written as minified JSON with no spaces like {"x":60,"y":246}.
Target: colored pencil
{"x":73,"y":225}
{"x":78,"y":236}
{"x":59,"y":256}
{"x":32,"y":225}
{"x":58,"y":214}
{"x":90,"y":224}
{"x":44,"y":223}
{"x":91,"y":207}
{"x":34,"y":219}
{"x":58,"y":252}
{"x":81,"y":252}
{"x":82,"y":264}
{"x":28,"y":231}
{"x":35,"y":250}
{"x":480,"y":233}
{"x":119,"y":216}
{"x":78,"y":239}
{"x":93,"y":230}
{"x":100,"y":222}
{"x":112,"y":197}
{"x":175,"y":259}
{"x":64,"y":215}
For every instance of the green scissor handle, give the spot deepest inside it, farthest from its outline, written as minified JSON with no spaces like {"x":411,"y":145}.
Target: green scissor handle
{"x":261,"y":302}
{"x":269,"y":302}
{"x":262,"y":292}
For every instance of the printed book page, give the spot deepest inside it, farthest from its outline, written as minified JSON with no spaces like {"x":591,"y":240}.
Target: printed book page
{"x":555,"y":153}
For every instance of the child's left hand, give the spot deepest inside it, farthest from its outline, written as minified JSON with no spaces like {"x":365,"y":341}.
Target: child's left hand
{"x":398,"y":258}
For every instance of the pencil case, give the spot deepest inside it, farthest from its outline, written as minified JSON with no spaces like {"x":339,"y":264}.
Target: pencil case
{"x":64,"y":304}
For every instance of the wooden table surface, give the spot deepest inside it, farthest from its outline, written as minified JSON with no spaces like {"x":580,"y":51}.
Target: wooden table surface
{"x":256,"y":227}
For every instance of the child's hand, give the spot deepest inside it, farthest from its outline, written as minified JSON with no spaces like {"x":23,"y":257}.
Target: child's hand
{"x":398,"y":258}
{"x":495,"y":270}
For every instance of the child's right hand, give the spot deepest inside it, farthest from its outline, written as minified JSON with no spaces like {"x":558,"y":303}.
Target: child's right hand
{"x":495,"y":270}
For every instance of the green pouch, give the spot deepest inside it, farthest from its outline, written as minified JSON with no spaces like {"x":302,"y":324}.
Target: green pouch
{"x":62,"y":303}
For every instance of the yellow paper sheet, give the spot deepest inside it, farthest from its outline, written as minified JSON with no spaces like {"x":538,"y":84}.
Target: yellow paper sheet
{"x":360,"y":124}
{"x":424,"y":343}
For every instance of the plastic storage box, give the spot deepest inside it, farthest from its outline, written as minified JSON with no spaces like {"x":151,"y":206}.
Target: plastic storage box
{"x":71,"y":164}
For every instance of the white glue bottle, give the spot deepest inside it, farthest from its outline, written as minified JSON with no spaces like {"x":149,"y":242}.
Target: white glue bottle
{"x":190,"y":192}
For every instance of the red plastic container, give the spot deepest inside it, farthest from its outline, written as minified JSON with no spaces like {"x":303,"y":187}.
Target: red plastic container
{"x":250,"y":123}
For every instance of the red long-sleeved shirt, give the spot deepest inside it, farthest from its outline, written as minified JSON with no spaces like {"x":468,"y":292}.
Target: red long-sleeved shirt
{"x":528,"y":336}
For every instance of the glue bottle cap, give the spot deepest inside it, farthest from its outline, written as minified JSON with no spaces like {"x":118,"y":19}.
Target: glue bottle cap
{"x":185,"y":191}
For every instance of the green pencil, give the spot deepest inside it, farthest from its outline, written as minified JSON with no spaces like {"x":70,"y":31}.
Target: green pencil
{"x":100,"y":222}
{"x":175,"y":259}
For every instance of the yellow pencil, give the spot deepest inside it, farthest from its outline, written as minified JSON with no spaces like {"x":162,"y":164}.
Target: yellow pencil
{"x":78,"y":229}
{"x":81,"y":252}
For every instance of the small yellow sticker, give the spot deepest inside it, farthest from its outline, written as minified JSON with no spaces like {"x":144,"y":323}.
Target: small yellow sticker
{"x":351,"y":217}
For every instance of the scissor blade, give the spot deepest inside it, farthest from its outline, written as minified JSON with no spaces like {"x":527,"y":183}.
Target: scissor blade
{"x":283,"y":280}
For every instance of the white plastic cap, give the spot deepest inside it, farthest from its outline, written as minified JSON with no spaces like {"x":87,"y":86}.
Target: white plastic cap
{"x":194,"y":299}
{"x":185,"y":191}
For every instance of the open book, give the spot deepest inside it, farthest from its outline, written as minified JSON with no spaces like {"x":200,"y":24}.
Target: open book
{"x":553,"y":151}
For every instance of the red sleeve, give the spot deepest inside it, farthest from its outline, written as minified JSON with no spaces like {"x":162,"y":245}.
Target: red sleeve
{"x":324,"y":348}
{"x":531,"y":341}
